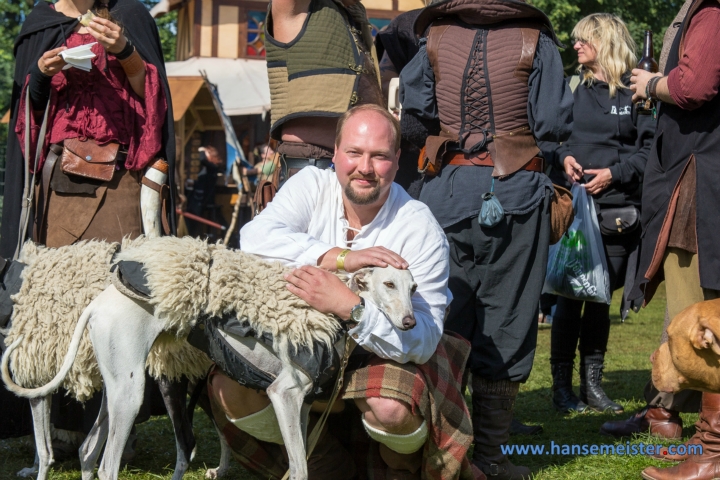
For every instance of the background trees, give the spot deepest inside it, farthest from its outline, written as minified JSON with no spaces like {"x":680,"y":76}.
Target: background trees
{"x":640,"y":15}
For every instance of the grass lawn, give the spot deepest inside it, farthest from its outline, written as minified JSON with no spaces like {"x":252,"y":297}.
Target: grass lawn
{"x":626,"y":373}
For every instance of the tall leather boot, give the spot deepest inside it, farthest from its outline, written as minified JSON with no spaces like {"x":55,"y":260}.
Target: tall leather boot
{"x":698,"y":467}
{"x":492,"y":413}
{"x":401,"y":466}
{"x":564,"y":399}
{"x":591,"y":368}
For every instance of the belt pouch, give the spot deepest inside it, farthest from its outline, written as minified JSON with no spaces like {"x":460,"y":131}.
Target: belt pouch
{"x":268,"y":185}
{"x":85,"y":158}
{"x":561,"y":213}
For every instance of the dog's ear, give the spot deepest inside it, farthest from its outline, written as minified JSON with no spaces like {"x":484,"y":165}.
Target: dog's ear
{"x":359,"y":282}
{"x":707,"y":333}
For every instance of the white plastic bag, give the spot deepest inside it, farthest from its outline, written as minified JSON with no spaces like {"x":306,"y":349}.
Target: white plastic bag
{"x":577,"y":267}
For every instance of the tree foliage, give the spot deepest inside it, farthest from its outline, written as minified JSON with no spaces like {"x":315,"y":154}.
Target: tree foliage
{"x":12,"y":14}
{"x":639,"y":15}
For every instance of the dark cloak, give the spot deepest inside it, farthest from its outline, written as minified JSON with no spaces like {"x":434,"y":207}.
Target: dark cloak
{"x":43,"y":30}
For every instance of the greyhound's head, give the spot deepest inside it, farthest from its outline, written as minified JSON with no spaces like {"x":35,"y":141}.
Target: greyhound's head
{"x":390,"y":289}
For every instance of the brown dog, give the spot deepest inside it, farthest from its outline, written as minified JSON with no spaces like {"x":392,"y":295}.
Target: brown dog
{"x":691,"y":357}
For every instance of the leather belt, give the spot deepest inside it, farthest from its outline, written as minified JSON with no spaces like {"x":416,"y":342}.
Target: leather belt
{"x":536,"y":164}
{"x":294,"y":163}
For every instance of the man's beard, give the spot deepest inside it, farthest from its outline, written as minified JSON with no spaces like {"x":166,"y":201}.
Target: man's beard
{"x":364,"y":198}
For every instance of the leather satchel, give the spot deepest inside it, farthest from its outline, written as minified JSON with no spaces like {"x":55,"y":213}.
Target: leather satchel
{"x":88,"y":159}
{"x":619,"y":221}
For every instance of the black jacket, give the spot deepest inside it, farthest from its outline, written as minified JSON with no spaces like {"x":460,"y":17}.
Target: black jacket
{"x":607,"y":133}
{"x":682,"y":134}
{"x":45,"y":29}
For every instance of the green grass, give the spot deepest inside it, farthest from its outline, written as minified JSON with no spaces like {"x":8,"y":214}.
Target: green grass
{"x":627,"y":371}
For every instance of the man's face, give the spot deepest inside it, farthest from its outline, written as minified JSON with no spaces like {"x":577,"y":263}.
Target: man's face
{"x":365,"y":160}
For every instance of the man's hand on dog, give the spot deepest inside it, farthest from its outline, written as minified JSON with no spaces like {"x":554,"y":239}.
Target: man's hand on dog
{"x":322,"y":290}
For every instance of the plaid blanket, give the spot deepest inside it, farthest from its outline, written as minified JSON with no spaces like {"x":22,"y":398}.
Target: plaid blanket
{"x":433,"y":390}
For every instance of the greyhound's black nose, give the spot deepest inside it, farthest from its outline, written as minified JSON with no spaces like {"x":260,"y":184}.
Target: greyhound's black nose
{"x":408,"y":323}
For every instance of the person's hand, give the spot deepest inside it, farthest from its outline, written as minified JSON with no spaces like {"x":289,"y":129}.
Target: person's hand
{"x":373,"y":257}
{"x":573,"y":170}
{"x":638,"y":83}
{"x":322,"y":290}
{"x":108,"y":34}
{"x":52,"y":62}
{"x":602,"y":180}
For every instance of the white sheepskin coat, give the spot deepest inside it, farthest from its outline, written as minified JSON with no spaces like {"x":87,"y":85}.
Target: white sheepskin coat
{"x":187,"y":278}
{"x":216,"y":281}
{"x":58,"y":284}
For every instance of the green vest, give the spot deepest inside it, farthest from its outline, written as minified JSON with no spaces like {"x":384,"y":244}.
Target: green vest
{"x":317,"y":74}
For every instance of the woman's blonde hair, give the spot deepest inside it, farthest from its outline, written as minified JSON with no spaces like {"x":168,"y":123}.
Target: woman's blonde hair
{"x":615,"y":48}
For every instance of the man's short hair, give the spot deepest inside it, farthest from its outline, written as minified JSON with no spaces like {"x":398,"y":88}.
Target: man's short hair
{"x":369,"y":107}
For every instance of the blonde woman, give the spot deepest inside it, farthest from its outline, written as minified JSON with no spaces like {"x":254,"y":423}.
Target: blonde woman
{"x":606,"y":152}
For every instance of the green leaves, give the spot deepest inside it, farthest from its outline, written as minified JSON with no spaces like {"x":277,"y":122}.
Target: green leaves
{"x":641,"y":15}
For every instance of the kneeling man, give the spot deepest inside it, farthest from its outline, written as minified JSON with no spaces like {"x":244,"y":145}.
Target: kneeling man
{"x":408,"y":387}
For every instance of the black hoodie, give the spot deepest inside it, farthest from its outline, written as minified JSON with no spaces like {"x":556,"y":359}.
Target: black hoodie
{"x":608,"y":133}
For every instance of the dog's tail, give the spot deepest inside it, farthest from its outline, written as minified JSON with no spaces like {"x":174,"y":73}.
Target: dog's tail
{"x":48,"y":388}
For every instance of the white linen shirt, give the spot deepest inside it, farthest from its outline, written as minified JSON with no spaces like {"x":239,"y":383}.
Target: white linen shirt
{"x":307,"y":218}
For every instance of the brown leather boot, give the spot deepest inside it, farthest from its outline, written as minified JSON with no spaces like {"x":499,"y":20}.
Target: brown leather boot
{"x":661,"y":422}
{"x":329,"y":460}
{"x":707,"y":428}
{"x":705,"y":466}
{"x":401,"y":466}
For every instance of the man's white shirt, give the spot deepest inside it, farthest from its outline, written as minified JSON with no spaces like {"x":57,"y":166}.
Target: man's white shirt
{"x":307,"y":218}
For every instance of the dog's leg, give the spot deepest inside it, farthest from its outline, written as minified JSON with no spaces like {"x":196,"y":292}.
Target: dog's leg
{"x":287,"y":394}
{"x":43,"y":442}
{"x":174,"y":394}
{"x":222,"y":469}
{"x":304,"y":420}
{"x":121,"y":358}
{"x":91,"y":447}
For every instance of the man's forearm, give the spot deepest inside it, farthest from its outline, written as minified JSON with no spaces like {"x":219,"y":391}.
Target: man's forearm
{"x":328,"y":260}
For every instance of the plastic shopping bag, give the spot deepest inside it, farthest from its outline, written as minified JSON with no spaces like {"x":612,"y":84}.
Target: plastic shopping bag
{"x":577,"y":267}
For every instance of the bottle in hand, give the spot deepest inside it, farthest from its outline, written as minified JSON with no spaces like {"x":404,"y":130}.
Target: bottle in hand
{"x":647,"y":63}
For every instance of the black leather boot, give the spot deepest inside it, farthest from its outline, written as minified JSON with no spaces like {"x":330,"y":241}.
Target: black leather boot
{"x":564,"y":399}
{"x":591,"y":367}
{"x":492,"y":413}
{"x":519,"y":428}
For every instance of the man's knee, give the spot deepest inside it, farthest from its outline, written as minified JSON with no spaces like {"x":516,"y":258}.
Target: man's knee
{"x":388,"y":414}
{"x":392,"y":423}
{"x":236,"y":400}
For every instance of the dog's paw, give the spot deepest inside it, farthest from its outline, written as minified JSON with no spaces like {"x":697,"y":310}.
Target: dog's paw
{"x":214,"y":473}
{"x":28,"y":472}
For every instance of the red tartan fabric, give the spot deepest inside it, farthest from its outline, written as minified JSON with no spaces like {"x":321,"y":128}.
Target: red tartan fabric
{"x":435,"y":394}
{"x":432,"y":389}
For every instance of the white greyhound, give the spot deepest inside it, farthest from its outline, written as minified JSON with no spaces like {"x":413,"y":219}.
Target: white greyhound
{"x":123,"y":330}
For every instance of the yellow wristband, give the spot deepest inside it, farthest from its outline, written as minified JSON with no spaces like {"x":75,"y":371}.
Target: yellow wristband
{"x":340,"y":262}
